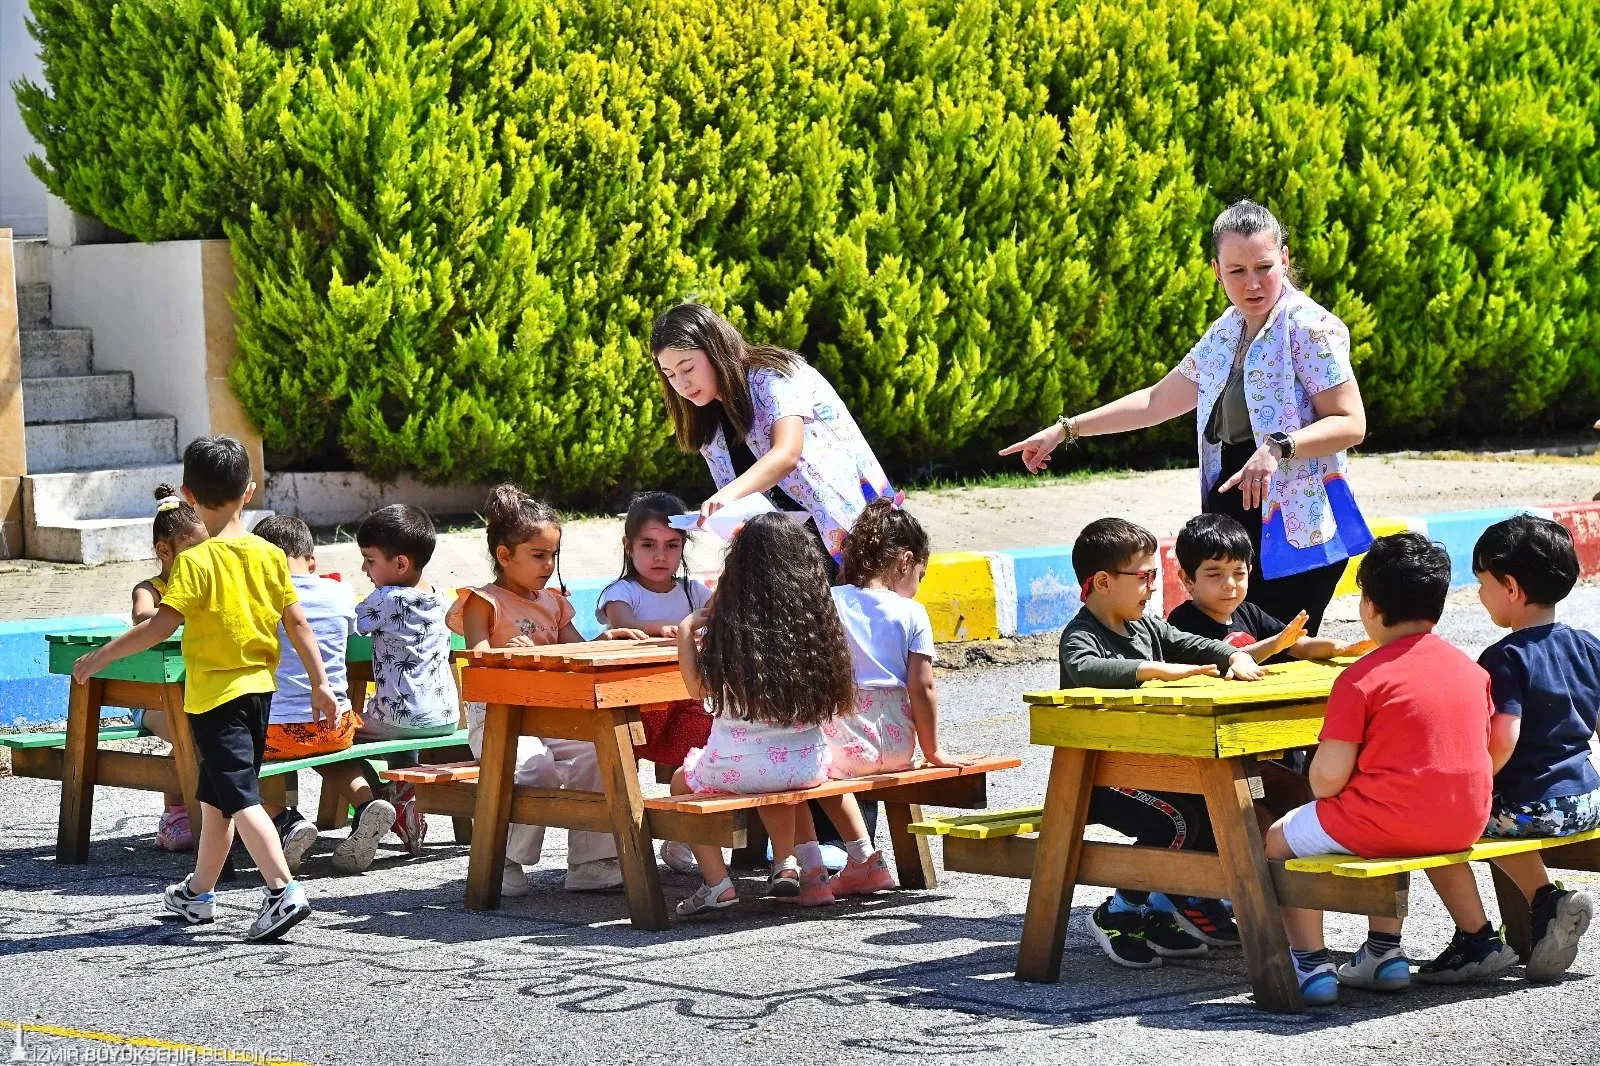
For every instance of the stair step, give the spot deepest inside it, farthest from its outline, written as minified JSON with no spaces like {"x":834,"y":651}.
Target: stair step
{"x":62,"y":446}
{"x":33,"y":306}
{"x":101,"y":540}
{"x":129,"y":492}
{"x":54,"y":353}
{"x":91,"y":398}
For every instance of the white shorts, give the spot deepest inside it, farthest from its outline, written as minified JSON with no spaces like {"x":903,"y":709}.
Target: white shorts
{"x":1303,"y":832}
{"x":878,"y":738}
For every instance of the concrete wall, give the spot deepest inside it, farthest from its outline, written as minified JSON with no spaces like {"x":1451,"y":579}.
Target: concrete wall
{"x":13,"y":442}
{"x":160,"y":311}
{"x":22,"y":196}
{"x":336,"y":499}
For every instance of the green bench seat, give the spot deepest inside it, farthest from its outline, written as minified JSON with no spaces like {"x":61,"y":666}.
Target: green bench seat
{"x":270,"y":769}
{"x":59,"y":740}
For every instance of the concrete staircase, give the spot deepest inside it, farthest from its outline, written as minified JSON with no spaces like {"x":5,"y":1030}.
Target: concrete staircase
{"x":93,"y":464}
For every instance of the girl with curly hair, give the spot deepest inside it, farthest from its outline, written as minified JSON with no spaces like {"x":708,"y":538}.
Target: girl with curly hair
{"x":769,"y":657}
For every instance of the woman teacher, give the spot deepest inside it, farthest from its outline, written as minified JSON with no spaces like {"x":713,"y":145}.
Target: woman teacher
{"x":765,"y":422}
{"x":1278,"y":405}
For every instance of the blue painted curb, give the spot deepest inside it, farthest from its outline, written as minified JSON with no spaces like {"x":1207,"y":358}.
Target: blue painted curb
{"x":1047,"y":590}
{"x":30,"y":695}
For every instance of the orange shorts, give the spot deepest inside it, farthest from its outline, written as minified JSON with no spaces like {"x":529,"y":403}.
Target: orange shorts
{"x":300,"y":739}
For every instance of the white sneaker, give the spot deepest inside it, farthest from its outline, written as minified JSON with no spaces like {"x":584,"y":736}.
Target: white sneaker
{"x":679,"y":858}
{"x":355,"y":853}
{"x":280,"y":912}
{"x":513,"y":882}
{"x":298,"y":840}
{"x":192,"y":908}
{"x":594,"y":876}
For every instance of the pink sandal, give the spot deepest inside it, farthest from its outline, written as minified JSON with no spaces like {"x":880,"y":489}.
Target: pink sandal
{"x":173,"y":833}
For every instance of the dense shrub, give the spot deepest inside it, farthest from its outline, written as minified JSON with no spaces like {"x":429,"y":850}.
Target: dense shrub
{"x":455,"y":219}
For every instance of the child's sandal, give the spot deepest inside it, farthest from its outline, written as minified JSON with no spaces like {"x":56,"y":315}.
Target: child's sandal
{"x":784,"y":883}
{"x":707,"y":898}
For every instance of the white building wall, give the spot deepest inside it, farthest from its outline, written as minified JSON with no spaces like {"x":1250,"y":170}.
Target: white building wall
{"x":22,"y":196}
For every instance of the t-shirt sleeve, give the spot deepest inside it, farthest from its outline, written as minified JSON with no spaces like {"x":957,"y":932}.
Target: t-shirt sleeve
{"x":369,"y":616}
{"x":1084,"y":664}
{"x":786,"y":394}
{"x":920,"y":640}
{"x":699,"y":593}
{"x":1346,"y":714}
{"x":616,"y":592}
{"x":565,"y":612}
{"x":283,"y":588}
{"x":1319,"y":348}
{"x":1180,"y":647}
{"x":1508,"y":680}
{"x":188,"y":586}
{"x":1189,"y":365}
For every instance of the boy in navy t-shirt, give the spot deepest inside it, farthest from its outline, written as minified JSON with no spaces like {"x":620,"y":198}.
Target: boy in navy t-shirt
{"x":1545,"y":681}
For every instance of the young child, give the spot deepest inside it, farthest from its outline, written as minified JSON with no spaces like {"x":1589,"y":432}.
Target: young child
{"x":516,"y":610}
{"x":654,"y":594}
{"x":1545,"y":682}
{"x":293,"y":731}
{"x":1111,"y":643}
{"x":229,"y":593}
{"x":414,"y":689}
{"x":774,"y":665}
{"x":1403,"y":769}
{"x":176,"y":526}
{"x":1214,"y":559}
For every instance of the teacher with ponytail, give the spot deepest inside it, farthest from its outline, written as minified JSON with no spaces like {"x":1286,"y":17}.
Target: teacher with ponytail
{"x":1277,"y":406}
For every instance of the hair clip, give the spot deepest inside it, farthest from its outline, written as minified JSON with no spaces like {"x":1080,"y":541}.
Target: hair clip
{"x":898,"y":501}
{"x":168,"y":503}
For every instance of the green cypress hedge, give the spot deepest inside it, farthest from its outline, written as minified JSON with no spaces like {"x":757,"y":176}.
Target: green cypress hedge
{"x":454,"y":220}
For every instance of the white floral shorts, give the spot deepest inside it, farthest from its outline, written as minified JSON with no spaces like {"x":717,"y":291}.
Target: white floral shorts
{"x":877,"y":739}
{"x":749,"y":758}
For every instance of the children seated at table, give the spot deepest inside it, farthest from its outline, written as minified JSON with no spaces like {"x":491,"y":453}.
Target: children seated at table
{"x":1112,"y":643}
{"x":770,"y":657}
{"x":654,"y":594}
{"x":516,"y":610}
{"x":293,"y":732}
{"x":414,"y":688}
{"x":1544,"y":679}
{"x":1214,"y":560}
{"x":229,"y":593}
{"x":176,"y":526}
{"x":1403,"y":769}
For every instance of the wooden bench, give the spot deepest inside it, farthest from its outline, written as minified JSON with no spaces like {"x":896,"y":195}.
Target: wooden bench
{"x":722,"y":820}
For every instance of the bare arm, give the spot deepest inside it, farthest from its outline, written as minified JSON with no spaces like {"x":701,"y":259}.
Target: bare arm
{"x":570,"y":634}
{"x":688,"y":655}
{"x":1332,"y":766}
{"x":145,"y":602}
{"x":1504,"y":731}
{"x":1168,"y":398}
{"x":142,"y":637}
{"x":1328,"y":648}
{"x":324,"y":704}
{"x":476,"y":618}
{"x":925,"y":711}
{"x":1341,"y":422}
{"x":620,"y":616}
{"x":788,"y":440}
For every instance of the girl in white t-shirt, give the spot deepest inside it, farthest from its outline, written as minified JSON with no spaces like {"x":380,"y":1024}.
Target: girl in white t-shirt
{"x":891,"y":643}
{"x":655,"y":593}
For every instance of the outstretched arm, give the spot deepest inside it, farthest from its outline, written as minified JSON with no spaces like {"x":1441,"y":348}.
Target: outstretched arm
{"x":1168,"y":398}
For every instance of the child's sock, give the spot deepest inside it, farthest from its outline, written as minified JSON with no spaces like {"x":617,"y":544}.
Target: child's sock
{"x":859,"y":850}
{"x":1488,"y":932}
{"x":1124,"y":901}
{"x":1307,"y":961}
{"x":276,"y":892}
{"x":789,"y":863}
{"x":809,"y":854}
{"x":1381,"y":944}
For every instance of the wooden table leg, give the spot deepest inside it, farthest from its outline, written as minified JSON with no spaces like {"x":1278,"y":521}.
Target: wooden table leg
{"x":78,"y":771}
{"x":502,"y":726}
{"x":913,"y":858}
{"x":1055,"y":866}
{"x":186,"y":760}
{"x":753,"y":856}
{"x":333,"y":808}
{"x":1515,"y":913}
{"x":1255,"y":903}
{"x":619,"y":773}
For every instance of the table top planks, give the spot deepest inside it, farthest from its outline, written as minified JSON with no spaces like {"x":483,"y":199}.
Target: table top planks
{"x":589,"y":656}
{"x":1289,"y":683}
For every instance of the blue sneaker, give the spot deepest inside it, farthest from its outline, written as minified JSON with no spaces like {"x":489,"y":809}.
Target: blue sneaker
{"x":1319,"y":987}
{"x":1388,"y":972}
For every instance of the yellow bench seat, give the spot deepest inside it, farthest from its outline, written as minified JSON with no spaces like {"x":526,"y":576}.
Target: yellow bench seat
{"x":1485,"y":849}
{"x":987,"y":825}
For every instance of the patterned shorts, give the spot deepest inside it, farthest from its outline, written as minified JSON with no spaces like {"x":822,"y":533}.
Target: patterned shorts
{"x":297,"y":740}
{"x":1557,"y":817}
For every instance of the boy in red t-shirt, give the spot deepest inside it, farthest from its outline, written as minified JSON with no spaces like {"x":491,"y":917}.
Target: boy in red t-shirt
{"x":1403,"y":769}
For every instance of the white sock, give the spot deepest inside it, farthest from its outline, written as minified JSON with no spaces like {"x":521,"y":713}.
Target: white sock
{"x":858,"y":850}
{"x":790,"y":863}
{"x":810,"y":855}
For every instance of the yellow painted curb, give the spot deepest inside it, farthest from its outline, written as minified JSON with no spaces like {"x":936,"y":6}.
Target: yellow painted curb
{"x":1381,"y":527}
{"x":960,"y":597}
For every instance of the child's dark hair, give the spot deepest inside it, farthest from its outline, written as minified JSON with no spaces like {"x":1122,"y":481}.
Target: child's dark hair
{"x":1108,"y":544}
{"x":1536,"y":551}
{"x":290,"y":534}
{"x":1406,"y":577}
{"x":174,"y":517}
{"x":1212,"y":537}
{"x":398,"y":529}
{"x":649,"y":507}
{"x":512,"y":517}
{"x":216,"y":470}
{"x":879,"y":535}
{"x":774,"y":649}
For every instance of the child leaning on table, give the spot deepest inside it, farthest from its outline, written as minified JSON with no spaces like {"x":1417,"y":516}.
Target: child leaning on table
{"x":229,"y":593}
{"x":516,"y":610}
{"x":1112,"y":643}
{"x":1545,"y":681}
{"x":413,"y":687}
{"x":770,"y":658}
{"x":294,"y":733}
{"x":1403,"y":769}
{"x":176,"y":526}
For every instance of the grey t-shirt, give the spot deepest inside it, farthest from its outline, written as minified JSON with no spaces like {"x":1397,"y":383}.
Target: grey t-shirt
{"x":1094,"y":656}
{"x":412,"y":682}
{"x":1230,"y":415}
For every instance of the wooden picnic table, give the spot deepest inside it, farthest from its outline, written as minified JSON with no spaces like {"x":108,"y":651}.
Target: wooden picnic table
{"x":1201,"y":736}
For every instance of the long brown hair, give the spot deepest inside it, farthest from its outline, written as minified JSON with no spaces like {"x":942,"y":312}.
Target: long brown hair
{"x":774,"y":649}
{"x":692,"y":325}
{"x":875,"y":541}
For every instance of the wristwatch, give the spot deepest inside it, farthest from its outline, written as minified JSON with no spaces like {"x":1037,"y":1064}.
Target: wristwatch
{"x":1284,"y":443}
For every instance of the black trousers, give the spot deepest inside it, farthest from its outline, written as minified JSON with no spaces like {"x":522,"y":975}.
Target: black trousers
{"x":1155,"y":820}
{"x":1281,"y":597}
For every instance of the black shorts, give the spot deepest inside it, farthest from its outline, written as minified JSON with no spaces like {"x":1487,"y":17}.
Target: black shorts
{"x":230,"y":739}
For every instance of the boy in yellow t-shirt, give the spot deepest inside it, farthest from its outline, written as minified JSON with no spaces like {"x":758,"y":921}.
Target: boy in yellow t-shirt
{"x":229,"y":593}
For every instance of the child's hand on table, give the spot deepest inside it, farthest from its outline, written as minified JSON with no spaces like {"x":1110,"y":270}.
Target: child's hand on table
{"x":624,"y":634}
{"x":1176,"y":671}
{"x":87,"y":666}
{"x":937,"y":757}
{"x":1355,"y":647}
{"x":1243,"y":667}
{"x":522,"y":640}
